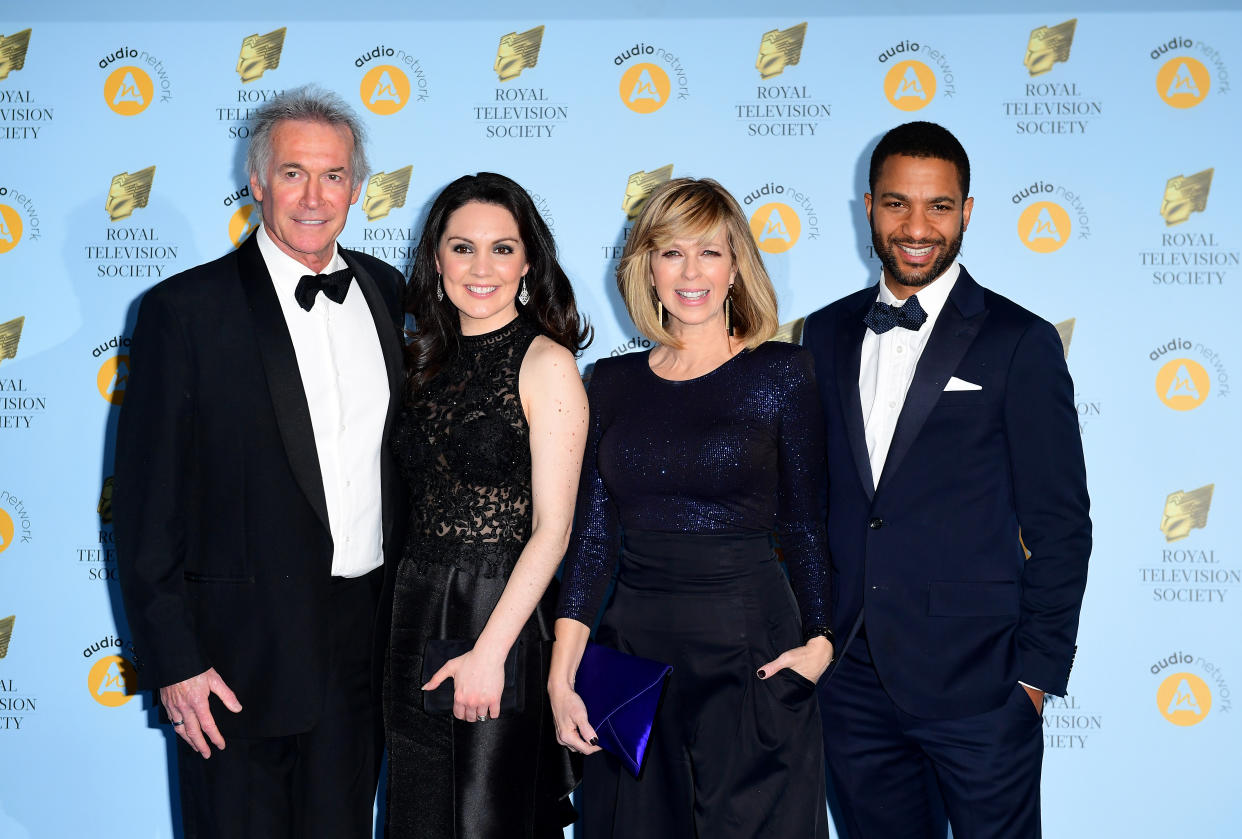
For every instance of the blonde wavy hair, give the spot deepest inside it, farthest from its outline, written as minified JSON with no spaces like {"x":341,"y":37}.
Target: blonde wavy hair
{"x":688,"y":208}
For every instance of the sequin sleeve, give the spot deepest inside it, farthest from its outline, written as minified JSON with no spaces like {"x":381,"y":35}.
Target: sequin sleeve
{"x":596,"y":535}
{"x":803,"y":492}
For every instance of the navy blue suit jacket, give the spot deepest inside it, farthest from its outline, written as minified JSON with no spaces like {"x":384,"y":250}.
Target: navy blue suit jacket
{"x":955,"y":613}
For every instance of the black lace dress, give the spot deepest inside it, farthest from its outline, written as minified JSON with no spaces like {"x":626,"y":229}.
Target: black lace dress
{"x":464,"y":449}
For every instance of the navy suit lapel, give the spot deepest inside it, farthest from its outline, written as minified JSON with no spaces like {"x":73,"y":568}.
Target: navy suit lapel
{"x":284,"y":381}
{"x":955,"y":330}
{"x":849,"y":361}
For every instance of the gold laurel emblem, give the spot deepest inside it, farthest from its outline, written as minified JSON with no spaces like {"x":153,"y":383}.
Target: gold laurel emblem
{"x":260,"y":53}
{"x":10,"y":335}
{"x":779,"y":49}
{"x":6,"y":633}
{"x":1185,"y":194}
{"x":516,"y":52}
{"x":386,"y":191}
{"x":129,"y":191}
{"x":1185,"y":511}
{"x":1065,"y":329}
{"x":105,"y":501}
{"x":1049,"y":45}
{"x":790,"y":333}
{"x":639,"y":188}
{"x":13,"y":52}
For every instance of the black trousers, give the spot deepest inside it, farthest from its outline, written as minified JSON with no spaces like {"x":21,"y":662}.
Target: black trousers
{"x":317,"y":784}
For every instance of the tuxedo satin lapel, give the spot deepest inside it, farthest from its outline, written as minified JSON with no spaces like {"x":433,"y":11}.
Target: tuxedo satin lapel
{"x":955,"y":330}
{"x":849,"y":360}
{"x":284,"y":380}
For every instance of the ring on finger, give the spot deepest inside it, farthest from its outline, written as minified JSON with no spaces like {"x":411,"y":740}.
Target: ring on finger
{"x":177,"y":723}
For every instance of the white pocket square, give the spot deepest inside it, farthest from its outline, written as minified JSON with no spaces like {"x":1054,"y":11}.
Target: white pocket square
{"x":960,"y":384}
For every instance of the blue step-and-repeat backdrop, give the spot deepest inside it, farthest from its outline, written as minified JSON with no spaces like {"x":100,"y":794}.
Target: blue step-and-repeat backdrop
{"x":1105,"y":154}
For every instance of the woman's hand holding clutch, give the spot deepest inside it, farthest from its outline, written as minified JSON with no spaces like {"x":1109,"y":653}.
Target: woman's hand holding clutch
{"x":478,"y":680}
{"x":573,"y":730}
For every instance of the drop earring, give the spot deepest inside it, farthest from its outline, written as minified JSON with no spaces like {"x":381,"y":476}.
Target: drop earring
{"x":439,"y":288}
{"x":523,"y":293}
{"x":728,"y":307}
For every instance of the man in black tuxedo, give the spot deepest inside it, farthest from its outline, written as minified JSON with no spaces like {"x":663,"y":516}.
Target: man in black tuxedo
{"x":253,"y":501}
{"x":952,"y":441}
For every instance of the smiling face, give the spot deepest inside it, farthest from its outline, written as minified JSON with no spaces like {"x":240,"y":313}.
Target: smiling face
{"x":918,"y":216}
{"x":309,"y":189}
{"x":482,"y":260}
{"x":692,"y":277}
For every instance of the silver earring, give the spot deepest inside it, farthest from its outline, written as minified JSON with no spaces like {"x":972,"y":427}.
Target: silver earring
{"x":523,"y":292}
{"x":439,"y":288}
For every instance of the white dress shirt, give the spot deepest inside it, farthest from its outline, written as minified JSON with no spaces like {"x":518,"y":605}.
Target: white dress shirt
{"x":346,"y":384}
{"x":888,"y":365}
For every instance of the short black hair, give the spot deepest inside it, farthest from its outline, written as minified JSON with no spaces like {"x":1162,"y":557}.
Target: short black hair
{"x":921,"y":139}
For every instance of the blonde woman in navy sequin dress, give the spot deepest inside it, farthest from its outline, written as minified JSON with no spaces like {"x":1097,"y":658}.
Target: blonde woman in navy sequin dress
{"x":700,"y":452}
{"x":490,"y":443}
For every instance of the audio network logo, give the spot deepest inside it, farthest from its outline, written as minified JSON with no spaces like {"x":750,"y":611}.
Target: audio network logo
{"x":519,"y":112}
{"x":910,"y":84}
{"x":13,"y":52}
{"x":1186,"y":698}
{"x":11,"y":226}
{"x":386,"y":88}
{"x":1044,"y":225}
{"x":775,"y":224}
{"x":128,"y":89}
{"x":15,"y":526}
{"x":785,"y":109}
{"x":1183,"y":383}
{"x":260,"y":53}
{"x":112,"y":680}
{"x":1183,"y":81}
{"x":645,"y":86}
{"x":113,"y":375}
{"x":244,"y":219}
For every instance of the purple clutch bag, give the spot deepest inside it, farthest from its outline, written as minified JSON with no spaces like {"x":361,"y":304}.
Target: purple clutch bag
{"x":621,"y":693}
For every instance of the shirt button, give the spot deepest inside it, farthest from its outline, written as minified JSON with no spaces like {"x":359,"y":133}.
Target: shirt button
{"x":900,"y":348}
{"x":892,"y":405}
{"x":875,"y":524}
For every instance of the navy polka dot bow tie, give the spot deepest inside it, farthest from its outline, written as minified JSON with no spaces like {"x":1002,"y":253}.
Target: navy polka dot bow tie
{"x":334,"y":287}
{"x":882,"y":317}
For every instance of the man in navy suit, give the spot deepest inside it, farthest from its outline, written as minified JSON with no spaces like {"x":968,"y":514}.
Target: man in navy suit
{"x":952,"y":443}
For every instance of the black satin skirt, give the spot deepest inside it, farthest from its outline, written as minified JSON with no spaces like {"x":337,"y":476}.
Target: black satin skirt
{"x":506,"y":778}
{"x":730,"y":755}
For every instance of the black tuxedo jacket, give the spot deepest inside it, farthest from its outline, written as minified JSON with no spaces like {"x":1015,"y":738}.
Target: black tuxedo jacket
{"x":931,"y":560}
{"x":219,"y":510}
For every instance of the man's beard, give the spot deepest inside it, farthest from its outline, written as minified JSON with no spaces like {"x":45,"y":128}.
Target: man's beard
{"x":917,"y":279}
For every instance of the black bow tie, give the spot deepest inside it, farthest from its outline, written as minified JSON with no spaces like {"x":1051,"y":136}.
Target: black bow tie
{"x":882,"y":317}
{"x":334,"y":287}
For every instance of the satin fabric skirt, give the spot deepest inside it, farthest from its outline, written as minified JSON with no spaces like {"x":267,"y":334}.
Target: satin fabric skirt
{"x":730,"y":755}
{"x":506,"y":778}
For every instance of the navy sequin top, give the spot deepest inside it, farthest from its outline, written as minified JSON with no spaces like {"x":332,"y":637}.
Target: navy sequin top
{"x":737,"y":450}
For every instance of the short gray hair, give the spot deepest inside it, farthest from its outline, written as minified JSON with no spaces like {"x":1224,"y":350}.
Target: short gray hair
{"x":309,"y":103}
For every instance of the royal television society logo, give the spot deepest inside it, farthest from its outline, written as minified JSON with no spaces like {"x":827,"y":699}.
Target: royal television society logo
{"x":125,"y":251}
{"x":387,"y":88}
{"x":638,"y":188}
{"x":22,"y":114}
{"x":1088,"y":409}
{"x":1190,"y":689}
{"x":1185,"y":194}
{"x":1044,"y":223}
{"x":1189,"y":257}
{"x":13,"y":52}
{"x":1069,"y":723}
{"x":1184,"y":382}
{"x":19,"y":403}
{"x":1051,"y":106}
{"x":245,"y":216}
{"x":1049,"y":45}
{"x":98,"y":557}
{"x":779,"y":216}
{"x":393,"y":242}
{"x":519,"y":112}
{"x":651,"y":77}
{"x":1190,"y":569}
{"x":129,"y":191}
{"x":16,"y":528}
{"x":112,"y":678}
{"x":129,"y":89}
{"x":15,"y":706}
{"x":6,"y":634}
{"x":782,"y":107}
{"x":910,"y":83}
{"x":517,"y":51}
{"x":260,"y":53}
{"x":112,"y":376}
{"x":1185,"y":511}
{"x":385,"y":192}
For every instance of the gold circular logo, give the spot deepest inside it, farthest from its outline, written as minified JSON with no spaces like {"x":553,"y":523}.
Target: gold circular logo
{"x":384,"y":90}
{"x":910,"y":85}
{"x":644,"y":88}
{"x":10,"y":228}
{"x":1183,"y":384}
{"x":1183,"y":82}
{"x":1184,"y":699}
{"x":6,"y":530}
{"x":776,"y":227}
{"x":128,"y":91}
{"x":112,"y":378}
{"x":112,"y":681}
{"x":242,"y":223}
{"x":1044,"y":227}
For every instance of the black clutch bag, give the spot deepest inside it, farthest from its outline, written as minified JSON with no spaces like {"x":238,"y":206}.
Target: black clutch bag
{"x":440,"y":700}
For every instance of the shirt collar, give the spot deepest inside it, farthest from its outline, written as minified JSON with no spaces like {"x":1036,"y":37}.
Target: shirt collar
{"x":932,"y":296}
{"x":285,"y":270}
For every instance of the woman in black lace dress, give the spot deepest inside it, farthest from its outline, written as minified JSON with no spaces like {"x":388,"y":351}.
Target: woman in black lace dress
{"x":490,"y":442}
{"x":699,"y":451}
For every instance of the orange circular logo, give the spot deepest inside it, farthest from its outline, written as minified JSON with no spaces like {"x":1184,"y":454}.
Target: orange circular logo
{"x":128,"y":91}
{"x":1044,"y":227}
{"x":112,"y":681}
{"x":645,"y":88}
{"x":6,"y":530}
{"x":10,"y":228}
{"x":242,"y":223}
{"x":1183,"y":384}
{"x":776,"y":227}
{"x":385,"y":89}
{"x":910,"y":85}
{"x":112,"y":378}
{"x":1183,"y":82}
{"x":1184,"y":699}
